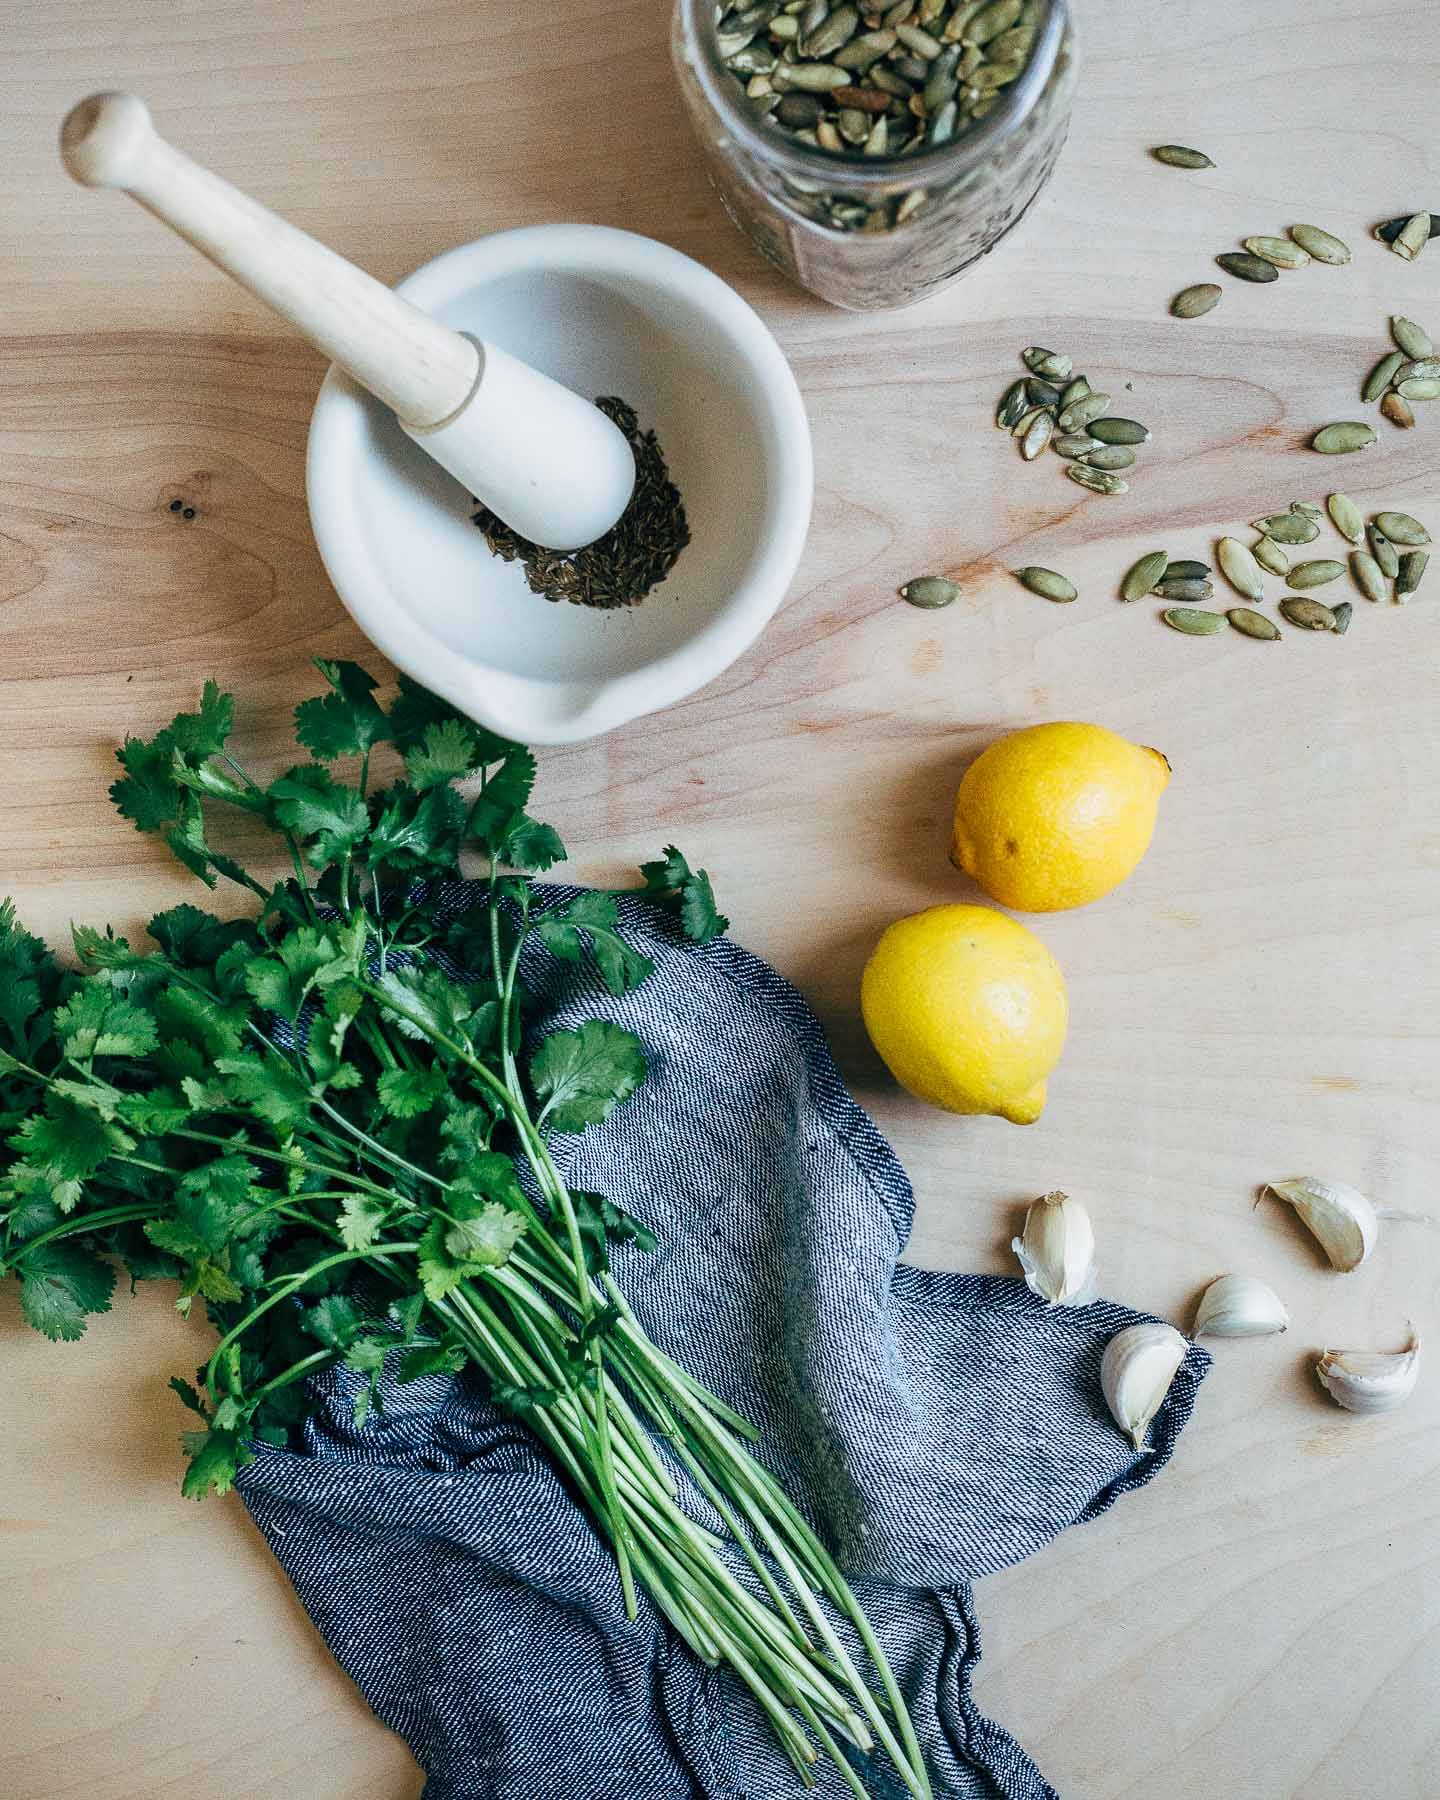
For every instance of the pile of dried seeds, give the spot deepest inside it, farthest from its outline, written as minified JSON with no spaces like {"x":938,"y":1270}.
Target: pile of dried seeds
{"x":1408,"y":235}
{"x":864,"y":81}
{"x":1406,"y":375}
{"x":1260,"y":259}
{"x":633,"y":557}
{"x":1053,"y":406}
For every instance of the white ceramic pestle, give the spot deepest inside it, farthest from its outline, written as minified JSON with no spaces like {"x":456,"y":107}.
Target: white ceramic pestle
{"x":548,"y":462}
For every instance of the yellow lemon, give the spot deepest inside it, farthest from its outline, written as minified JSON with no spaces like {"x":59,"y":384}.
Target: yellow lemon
{"x":1056,"y":815}
{"x":967,"y":1008}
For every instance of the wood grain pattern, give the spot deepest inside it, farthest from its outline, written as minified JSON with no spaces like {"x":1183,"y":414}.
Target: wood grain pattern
{"x":1261,"y":998}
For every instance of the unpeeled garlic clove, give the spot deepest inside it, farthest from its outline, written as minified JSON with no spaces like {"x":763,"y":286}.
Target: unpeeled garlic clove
{"x":1240,"y":1306}
{"x":1136,"y":1371}
{"x":1371,"y":1381}
{"x":1057,"y":1251}
{"x":1339,"y":1215}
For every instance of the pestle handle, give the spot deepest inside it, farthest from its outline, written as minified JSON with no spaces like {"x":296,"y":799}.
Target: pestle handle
{"x":421,"y":369}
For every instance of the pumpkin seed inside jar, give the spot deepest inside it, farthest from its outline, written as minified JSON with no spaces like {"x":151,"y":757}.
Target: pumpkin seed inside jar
{"x":833,"y":126}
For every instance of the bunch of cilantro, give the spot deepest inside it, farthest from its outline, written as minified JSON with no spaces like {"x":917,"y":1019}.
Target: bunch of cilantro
{"x":312,"y":1124}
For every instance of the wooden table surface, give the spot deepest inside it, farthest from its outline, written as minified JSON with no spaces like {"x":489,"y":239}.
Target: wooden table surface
{"x":1264,"y":1621}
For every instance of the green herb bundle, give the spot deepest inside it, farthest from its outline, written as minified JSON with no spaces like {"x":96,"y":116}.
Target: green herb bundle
{"x":307,"y":1122}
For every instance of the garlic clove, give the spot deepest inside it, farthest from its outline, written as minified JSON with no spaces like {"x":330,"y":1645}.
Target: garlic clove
{"x":1339,"y":1215}
{"x":1057,"y":1251}
{"x":1371,"y":1381}
{"x":1240,"y":1306}
{"x":1136,"y":1371}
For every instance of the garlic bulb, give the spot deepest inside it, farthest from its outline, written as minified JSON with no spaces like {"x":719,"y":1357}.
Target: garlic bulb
{"x":1371,"y":1381}
{"x":1057,"y":1251}
{"x":1339,"y":1215}
{"x":1240,"y":1306}
{"x":1136,"y":1371}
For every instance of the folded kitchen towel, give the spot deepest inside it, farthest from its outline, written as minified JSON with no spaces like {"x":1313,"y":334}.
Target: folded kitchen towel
{"x":935,"y":1428}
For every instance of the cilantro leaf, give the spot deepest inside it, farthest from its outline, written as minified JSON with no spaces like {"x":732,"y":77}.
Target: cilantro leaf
{"x":522,"y":1399}
{"x":599,"y":1220}
{"x":96,"y":1021}
{"x":361,"y":1217}
{"x":335,"y":1320}
{"x":500,"y":805}
{"x":100,"y":949}
{"x":331,"y":816}
{"x":407,"y":1093}
{"x":188,"y":1396}
{"x":425,"y":1002}
{"x":593,"y":918}
{"x":432,"y":1359}
{"x":415,"y":709}
{"x":671,"y":882}
{"x":215,"y":1459}
{"x":308,"y":957}
{"x":485,"y":1239}
{"x":148,"y":793}
{"x":581,"y":1076}
{"x":530,"y":845}
{"x":197,"y":939}
{"x":65,"y":1140}
{"x":59,"y":1285}
{"x":202,"y":734}
{"x":446,"y":752}
{"x":416,"y":831}
{"x":210,"y":1205}
{"x":269,"y":1086}
{"x":464,"y":1135}
{"x":345,"y":722}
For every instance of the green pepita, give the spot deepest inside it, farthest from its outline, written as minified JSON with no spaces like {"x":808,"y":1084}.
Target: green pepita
{"x":1187,"y":569}
{"x":1185,"y":590}
{"x":1141,"y":577}
{"x":1193,"y":621}
{"x":1052,"y":364}
{"x":1099,"y":481}
{"x":1422,"y":368}
{"x":1414,"y":235}
{"x":1383,"y":551}
{"x":1081,"y":413}
{"x":1401,"y":528}
{"x":1075,"y":443}
{"x":1246,"y":267}
{"x":1111,"y":456}
{"x":1413,"y":339}
{"x":1177,"y":156}
{"x":1191,"y":302}
{"x":930,"y":591}
{"x":1425,"y":387}
{"x":1397,"y":410}
{"x":1036,"y":436}
{"x":1270,"y":556}
{"x":1346,"y":517}
{"x":1412,"y":571}
{"x":1074,"y":390}
{"x":1382,"y":375}
{"x":1307,"y":615}
{"x":1367,"y":575}
{"x":1253,"y":624}
{"x":1118,"y":431}
{"x":1285,"y":253}
{"x":1288,"y":528}
{"x":1315,"y":573}
{"x":1047,"y":583}
{"x":1340,"y":438}
{"x":1342,"y":613}
{"x":1324,"y":246}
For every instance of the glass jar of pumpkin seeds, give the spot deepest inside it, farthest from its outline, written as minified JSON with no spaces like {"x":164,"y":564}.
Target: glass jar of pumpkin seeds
{"x":875,"y":152}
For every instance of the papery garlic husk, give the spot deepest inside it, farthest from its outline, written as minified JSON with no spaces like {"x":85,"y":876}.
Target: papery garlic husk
{"x":1339,"y":1215}
{"x":1240,"y":1306}
{"x":1057,"y":1251}
{"x":1371,"y":1381}
{"x":1136,"y":1371}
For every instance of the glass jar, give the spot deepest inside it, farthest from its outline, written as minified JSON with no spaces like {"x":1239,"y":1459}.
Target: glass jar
{"x":877,"y":231}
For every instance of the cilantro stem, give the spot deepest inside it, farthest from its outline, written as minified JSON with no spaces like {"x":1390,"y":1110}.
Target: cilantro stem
{"x":89,"y":1222}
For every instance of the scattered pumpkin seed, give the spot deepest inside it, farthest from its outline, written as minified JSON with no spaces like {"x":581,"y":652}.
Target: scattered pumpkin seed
{"x":1270,"y":556}
{"x":1285,"y":253}
{"x":1184,"y":590}
{"x":1342,"y":613}
{"x":1193,"y":621}
{"x":1240,"y":569}
{"x":1191,"y":302}
{"x":930,"y":591}
{"x":1383,"y":551}
{"x":1246,"y":267}
{"x":1187,"y":569}
{"x":1324,"y":246}
{"x":1049,"y":363}
{"x":1026,"y":420}
{"x":1012,"y":407}
{"x":1099,"y":481}
{"x":1075,"y":390}
{"x":1309,"y":508}
{"x":1401,"y":528}
{"x":1397,"y":410}
{"x":1424,"y":387}
{"x":1253,"y":624}
{"x":1382,"y":375}
{"x":1111,"y":456}
{"x":1046,"y":583}
{"x":1119,"y":431}
{"x":1315,"y":573}
{"x":1288,"y":528}
{"x":1413,"y":236}
{"x":1075,"y":443}
{"x":1346,"y":435}
{"x":1412,"y":571}
{"x":1346,"y":517}
{"x":1177,"y":156}
{"x":1421,"y":368}
{"x":1042,"y":393}
{"x":1037,"y":436}
{"x":1141,"y":577}
{"x":1368,"y":577}
{"x":1081,"y":413}
{"x":1391,"y":228}
{"x":1307,"y":615}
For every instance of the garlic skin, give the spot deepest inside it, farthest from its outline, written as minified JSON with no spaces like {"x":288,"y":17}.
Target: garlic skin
{"x":1339,"y":1215}
{"x":1057,"y":1251}
{"x":1136,"y":1371}
{"x":1371,"y":1381}
{"x":1240,"y":1306}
